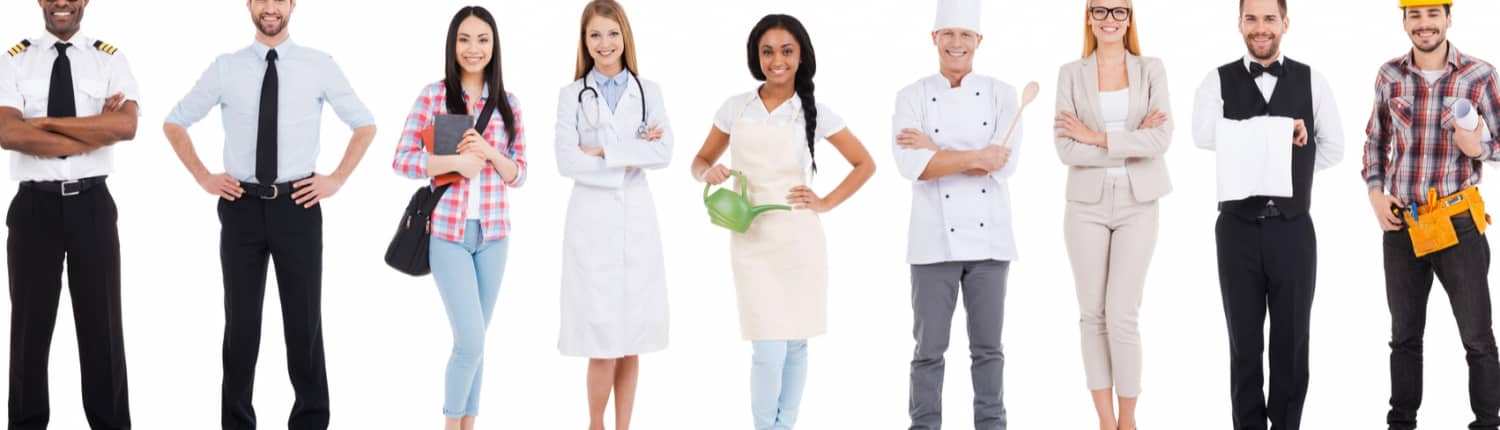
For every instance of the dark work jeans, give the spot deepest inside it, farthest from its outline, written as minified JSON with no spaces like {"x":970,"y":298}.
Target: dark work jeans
{"x":1408,"y":281}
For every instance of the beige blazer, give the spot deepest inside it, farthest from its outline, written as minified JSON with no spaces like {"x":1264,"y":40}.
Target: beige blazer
{"x":1141,"y":152}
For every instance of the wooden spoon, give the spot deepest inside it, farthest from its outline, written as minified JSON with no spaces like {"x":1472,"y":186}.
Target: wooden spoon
{"x":1027,"y":96}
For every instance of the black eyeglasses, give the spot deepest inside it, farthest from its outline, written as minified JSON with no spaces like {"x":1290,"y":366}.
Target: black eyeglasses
{"x":1119,"y":13}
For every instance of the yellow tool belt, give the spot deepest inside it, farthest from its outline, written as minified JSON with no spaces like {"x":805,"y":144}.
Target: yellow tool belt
{"x":1431,"y":227}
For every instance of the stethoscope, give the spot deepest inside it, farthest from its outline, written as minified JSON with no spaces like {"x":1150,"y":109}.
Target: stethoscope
{"x":593,"y":122}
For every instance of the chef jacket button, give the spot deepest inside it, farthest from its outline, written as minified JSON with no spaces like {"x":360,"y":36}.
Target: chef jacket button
{"x":934,"y":99}
{"x":986,"y":123}
{"x":945,"y":196}
{"x":982,"y":191}
{"x":976,"y":93}
{"x":935,"y":130}
{"x":981,"y":224}
{"x":952,"y":230}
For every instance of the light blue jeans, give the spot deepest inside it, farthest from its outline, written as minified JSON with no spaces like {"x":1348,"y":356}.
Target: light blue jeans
{"x":468,"y":278}
{"x":777,"y":376}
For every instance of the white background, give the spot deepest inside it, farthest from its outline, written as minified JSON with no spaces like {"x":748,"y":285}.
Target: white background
{"x":388,"y":338}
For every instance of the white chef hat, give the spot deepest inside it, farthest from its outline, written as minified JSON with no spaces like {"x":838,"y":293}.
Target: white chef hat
{"x":962,"y":14}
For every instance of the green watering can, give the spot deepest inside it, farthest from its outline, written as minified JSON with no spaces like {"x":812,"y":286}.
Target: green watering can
{"x":733,"y":211}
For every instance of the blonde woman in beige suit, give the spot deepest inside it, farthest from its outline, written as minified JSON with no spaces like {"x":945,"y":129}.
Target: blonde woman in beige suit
{"x":1113,"y":127}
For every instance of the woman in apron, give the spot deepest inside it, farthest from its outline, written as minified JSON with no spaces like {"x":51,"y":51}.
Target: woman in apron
{"x":781,"y":263}
{"x":611,"y":126}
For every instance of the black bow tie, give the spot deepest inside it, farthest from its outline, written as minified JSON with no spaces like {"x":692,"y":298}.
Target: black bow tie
{"x":1276,"y":69}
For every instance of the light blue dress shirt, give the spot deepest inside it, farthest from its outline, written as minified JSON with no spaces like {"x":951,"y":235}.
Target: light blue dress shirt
{"x":307,"y":78}
{"x":612,"y":88}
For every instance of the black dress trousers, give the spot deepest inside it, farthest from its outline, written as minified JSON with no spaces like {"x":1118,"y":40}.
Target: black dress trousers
{"x":46,"y":230}
{"x":256,"y":232}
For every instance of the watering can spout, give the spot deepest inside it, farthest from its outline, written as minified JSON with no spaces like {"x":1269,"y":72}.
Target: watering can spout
{"x":756,"y":211}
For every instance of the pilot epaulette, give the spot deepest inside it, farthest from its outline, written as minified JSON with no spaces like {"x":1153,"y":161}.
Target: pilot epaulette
{"x":107,"y":48}
{"x":20,"y":47}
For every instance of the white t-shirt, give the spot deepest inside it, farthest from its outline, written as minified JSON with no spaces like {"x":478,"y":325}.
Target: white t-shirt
{"x":473,"y":196}
{"x":749,"y":108}
{"x":1433,"y":75}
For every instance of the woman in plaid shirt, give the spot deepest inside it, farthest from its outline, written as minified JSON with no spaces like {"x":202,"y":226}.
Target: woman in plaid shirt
{"x":470,"y":225}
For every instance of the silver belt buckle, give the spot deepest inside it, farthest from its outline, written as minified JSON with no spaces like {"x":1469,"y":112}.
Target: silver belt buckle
{"x":275,"y":191}
{"x":77,"y":188}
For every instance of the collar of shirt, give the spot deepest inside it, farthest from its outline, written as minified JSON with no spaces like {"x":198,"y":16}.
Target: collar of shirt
{"x":618,"y":80}
{"x":1248,"y":59}
{"x":940,"y":82}
{"x":79,"y":41}
{"x":793,"y":104}
{"x":260,"y":49}
{"x":1455,"y":60}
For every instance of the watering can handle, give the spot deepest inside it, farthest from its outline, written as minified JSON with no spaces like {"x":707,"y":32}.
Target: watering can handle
{"x":743,"y":183}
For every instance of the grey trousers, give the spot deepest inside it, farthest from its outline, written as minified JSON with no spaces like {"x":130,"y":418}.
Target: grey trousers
{"x":935,"y":290}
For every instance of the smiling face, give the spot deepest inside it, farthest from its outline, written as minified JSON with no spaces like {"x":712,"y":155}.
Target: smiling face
{"x":1427,"y":26}
{"x":779,"y":57}
{"x":605,"y":42}
{"x":271,"y":16}
{"x":1109,"y":30}
{"x":1262,"y":22}
{"x":475,"y":45}
{"x":63,"y":16}
{"x":956,"y":48}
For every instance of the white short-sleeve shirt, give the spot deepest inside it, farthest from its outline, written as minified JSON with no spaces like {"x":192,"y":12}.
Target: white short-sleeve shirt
{"x":25,"y":81}
{"x":749,"y":108}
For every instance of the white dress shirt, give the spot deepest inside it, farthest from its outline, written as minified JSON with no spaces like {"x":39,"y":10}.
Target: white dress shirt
{"x":1208,"y":109}
{"x":958,"y":217}
{"x":1114,"y":107}
{"x":25,"y":80}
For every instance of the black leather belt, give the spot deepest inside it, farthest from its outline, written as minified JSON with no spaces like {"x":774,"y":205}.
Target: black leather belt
{"x":268,"y":192}
{"x":64,"y":188}
{"x":1270,"y":211}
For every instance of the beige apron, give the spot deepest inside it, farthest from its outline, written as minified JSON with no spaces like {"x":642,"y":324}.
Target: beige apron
{"x":780,"y":263}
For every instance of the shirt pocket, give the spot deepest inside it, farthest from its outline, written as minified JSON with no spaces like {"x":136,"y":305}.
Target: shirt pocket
{"x":1402,"y":112}
{"x":92,"y":94}
{"x":34,"y":97}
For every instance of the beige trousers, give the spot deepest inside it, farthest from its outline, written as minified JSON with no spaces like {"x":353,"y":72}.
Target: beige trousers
{"x":1110,"y":244}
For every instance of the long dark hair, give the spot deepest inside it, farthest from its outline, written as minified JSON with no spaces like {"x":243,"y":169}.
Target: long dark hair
{"x":493,"y":76}
{"x":805,"y":70}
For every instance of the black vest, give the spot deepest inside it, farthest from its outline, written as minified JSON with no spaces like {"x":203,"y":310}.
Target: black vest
{"x":1292,"y":99}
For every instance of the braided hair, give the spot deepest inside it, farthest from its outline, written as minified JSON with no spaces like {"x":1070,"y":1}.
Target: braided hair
{"x":805,"y":71}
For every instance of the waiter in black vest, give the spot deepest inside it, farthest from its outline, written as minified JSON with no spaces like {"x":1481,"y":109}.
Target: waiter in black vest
{"x":65,"y":100}
{"x":1267,"y":249}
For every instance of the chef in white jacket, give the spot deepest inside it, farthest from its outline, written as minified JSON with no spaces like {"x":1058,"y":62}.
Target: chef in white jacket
{"x":611,"y":129}
{"x":948,"y":131}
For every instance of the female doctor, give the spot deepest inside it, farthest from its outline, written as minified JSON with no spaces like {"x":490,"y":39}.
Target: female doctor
{"x":611,"y":127}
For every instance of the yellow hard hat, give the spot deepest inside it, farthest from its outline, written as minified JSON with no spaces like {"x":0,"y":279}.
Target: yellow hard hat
{"x":1420,"y":3}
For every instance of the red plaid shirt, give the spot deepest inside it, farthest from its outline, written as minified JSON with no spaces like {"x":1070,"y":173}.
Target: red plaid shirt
{"x":411,"y":161}
{"x":1410,"y":147}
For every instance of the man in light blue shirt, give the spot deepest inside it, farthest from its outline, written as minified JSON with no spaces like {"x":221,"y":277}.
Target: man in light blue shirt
{"x":269,"y":199}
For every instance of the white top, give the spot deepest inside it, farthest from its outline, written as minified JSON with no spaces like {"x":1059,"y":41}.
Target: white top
{"x":1208,"y":109}
{"x":749,"y":108}
{"x":958,"y":217}
{"x":1114,"y":106}
{"x":1433,"y":75}
{"x":475,"y":211}
{"x":25,"y":79}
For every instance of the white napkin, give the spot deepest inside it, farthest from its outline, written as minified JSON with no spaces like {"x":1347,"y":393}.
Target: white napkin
{"x":1254,"y":157}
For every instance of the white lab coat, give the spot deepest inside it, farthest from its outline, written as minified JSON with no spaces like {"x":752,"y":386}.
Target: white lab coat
{"x":959,"y":217}
{"x":614,"y":292}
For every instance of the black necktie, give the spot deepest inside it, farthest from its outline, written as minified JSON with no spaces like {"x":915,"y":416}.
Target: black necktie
{"x":60,"y":102}
{"x":1276,"y":69}
{"x":265,"y":136}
